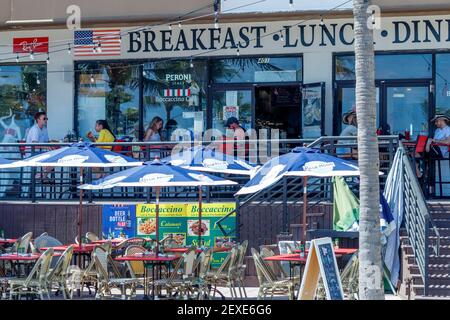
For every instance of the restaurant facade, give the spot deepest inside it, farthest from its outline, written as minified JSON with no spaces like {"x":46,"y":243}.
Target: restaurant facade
{"x":293,"y":75}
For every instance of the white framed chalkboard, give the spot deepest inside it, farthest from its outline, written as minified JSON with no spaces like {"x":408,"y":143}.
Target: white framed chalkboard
{"x":321,"y":262}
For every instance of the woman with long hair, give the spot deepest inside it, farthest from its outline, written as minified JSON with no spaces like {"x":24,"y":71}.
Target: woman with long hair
{"x":153,"y":132}
{"x":105,"y":133}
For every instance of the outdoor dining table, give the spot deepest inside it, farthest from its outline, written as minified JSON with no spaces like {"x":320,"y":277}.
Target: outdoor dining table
{"x":338,"y":251}
{"x":7,"y":241}
{"x":19,"y":258}
{"x":153,"y":261}
{"x":294,"y":260}
{"x":198,"y":250}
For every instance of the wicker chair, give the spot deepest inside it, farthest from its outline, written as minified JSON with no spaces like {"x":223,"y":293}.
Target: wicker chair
{"x":91,"y":236}
{"x":268,"y":283}
{"x":225,"y":274}
{"x":37,"y":280}
{"x":102,"y":260}
{"x":240,"y":268}
{"x":58,"y":275}
{"x":136,"y":269}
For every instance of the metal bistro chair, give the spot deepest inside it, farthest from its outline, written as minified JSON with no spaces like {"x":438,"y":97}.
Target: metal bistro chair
{"x":268,"y":283}
{"x":58,"y":275}
{"x":36,"y":282}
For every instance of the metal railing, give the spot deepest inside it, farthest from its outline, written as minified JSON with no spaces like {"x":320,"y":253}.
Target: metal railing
{"x":417,"y":220}
{"x":289,"y":190}
{"x":36,"y":184}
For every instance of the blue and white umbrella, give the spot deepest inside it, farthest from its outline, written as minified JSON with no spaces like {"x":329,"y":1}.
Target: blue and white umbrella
{"x":159,"y":174}
{"x":300,"y":162}
{"x":210,"y":160}
{"x":7,"y":164}
{"x":82,"y":155}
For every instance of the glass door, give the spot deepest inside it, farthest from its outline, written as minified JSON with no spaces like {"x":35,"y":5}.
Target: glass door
{"x":407,"y":108}
{"x":232,"y":102}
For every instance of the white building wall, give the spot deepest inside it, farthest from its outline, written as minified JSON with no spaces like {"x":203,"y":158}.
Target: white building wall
{"x":413,"y":34}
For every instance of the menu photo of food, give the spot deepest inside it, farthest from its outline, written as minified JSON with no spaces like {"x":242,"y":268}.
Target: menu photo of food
{"x":178,"y":238}
{"x":222,"y":241}
{"x":146,"y":226}
{"x":194,"y":229}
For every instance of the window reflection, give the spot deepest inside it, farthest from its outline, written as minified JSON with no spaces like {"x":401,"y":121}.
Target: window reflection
{"x":23,"y":90}
{"x":108,"y":91}
{"x":442,"y":83}
{"x":257,"y":69}
{"x":176,"y":92}
{"x":389,"y":66}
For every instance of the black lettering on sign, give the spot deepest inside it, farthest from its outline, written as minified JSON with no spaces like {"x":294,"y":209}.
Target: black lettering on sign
{"x":149,"y":37}
{"x":399,"y":36}
{"x":331,"y":37}
{"x":214,"y":38}
{"x":258,"y":35}
{"x":430,"y":28}
{"x":135,"y":44}
{"x":342,"y":34}
{"x":288,"y":43}
{"x":303,"y":35}
{"x":196,"y":39}
{"x":181,"y":41}
{"x":244,"y":37}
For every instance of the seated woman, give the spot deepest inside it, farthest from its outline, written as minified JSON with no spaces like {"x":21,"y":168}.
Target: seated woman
{"x":153,"y":133}
{"x":105,"y":134}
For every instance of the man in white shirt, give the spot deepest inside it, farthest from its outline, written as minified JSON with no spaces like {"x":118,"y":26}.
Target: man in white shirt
{"x":38,"y":132}
{"x":442,"y":133}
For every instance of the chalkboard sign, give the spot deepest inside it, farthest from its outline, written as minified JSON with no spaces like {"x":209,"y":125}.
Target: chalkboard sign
{"x":329,"y":267}
{"x":321,"y":262}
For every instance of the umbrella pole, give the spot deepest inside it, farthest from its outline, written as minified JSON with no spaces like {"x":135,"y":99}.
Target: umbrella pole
{"x":305,"y":206}
{"x":157,"y":221}
{"x":200,"y":216}
{"x":80,"y":216}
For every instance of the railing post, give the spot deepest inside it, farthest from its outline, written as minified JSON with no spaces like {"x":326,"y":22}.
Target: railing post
{"x":237,"y":227}
{"x":285,"y":219}
{"x":426,"y":253}
{"x":89,"y":180}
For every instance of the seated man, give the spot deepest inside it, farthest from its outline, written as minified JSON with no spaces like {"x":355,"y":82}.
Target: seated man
{"x":436,"y":147}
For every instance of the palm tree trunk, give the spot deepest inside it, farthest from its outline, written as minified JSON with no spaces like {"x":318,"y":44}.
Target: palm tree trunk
{"x":370,"y":267}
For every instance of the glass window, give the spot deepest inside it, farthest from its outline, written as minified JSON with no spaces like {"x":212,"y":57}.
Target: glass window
{"x":176,"y":92}
{"x":232,"y":103}
{"x":442,"y":83}
{"x":23,"y":91}
{"x":254,"y":69}
{"x":400,"y":66}
{"x":347,"y":102}
{"x":108,"y":91}
{"x":407,"y":110}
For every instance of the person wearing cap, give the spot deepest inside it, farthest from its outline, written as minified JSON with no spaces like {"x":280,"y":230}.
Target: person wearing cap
{"x":441,"y":135}
{"x":351,"y":129}
{"x":436,"y":147}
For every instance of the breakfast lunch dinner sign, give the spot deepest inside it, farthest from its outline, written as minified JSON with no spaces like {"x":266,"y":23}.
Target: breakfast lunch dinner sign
{"x":274,"y":37}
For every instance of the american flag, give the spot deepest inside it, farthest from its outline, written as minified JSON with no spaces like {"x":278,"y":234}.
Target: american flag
{"x":177,"y":92}
{"x":86,"y":42}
